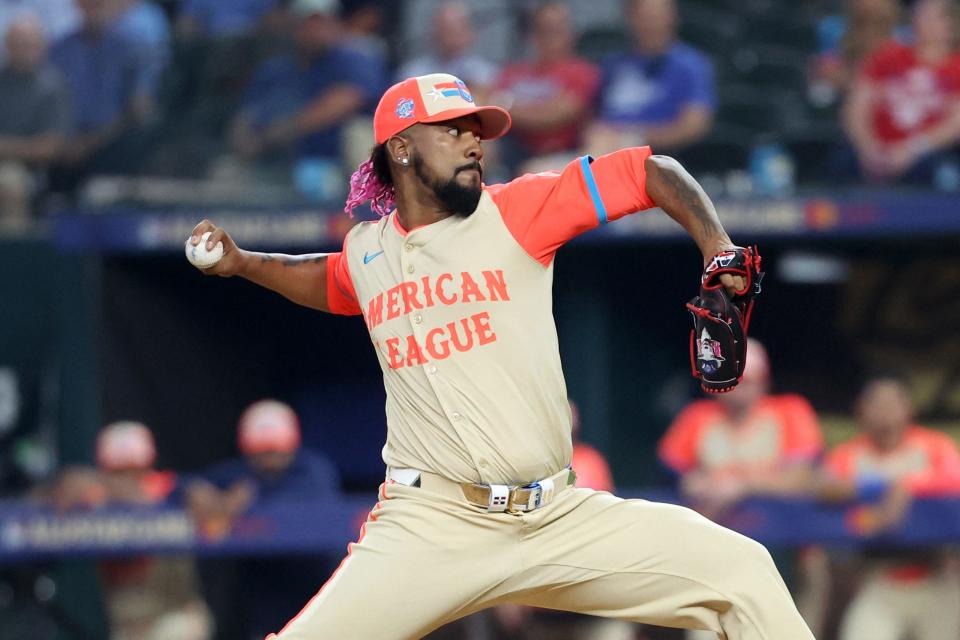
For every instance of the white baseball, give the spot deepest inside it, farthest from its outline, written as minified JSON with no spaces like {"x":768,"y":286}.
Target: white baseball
{"x":200,"y":257}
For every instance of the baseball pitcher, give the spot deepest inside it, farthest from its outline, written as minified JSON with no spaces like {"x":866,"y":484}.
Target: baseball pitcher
{"x":479,"y":505}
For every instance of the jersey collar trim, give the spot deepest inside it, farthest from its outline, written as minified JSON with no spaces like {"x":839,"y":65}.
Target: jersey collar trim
{"x":396,"y":224}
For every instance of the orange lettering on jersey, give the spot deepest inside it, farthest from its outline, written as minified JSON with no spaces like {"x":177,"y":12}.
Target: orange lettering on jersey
{"x":427,"y":293}
{"x":414,"y":355}
{"x":481,"y":324}
{"x":496,"y":285}
{"x":393,"y":304}
{"x":441,"y":295}
{"x":463,"y":335}
{"x":437,"y":351}
{"x":470,"y":288}
{"x":375,"y":311}
{"x":409,"y":296}
{"x":467,"y":342}
{"x":409,"y":292}
{"x":393,"y":353}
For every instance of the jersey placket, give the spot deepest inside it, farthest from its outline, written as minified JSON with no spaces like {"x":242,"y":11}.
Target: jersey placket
{"x":411,"y":250}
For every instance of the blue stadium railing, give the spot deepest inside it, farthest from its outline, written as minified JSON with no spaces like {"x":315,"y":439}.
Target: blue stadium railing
{"x":32,"y":532}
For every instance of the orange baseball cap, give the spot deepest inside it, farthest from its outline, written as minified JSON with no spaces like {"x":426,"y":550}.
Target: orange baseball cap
{"x":125,"y":445}
{"x":433,"y":98}
{"x":269,"y":425}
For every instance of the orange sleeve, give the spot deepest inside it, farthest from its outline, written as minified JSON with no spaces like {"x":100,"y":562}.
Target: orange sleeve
{"x":943,"y":477}
{"x":341,"y":296}
{"x":678,"y":447}
{"x":803,"y":440}
{"x":545,"y":210}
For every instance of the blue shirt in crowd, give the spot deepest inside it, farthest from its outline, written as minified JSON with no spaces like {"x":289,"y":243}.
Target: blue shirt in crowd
{"x":283,"y":86}
{"x":641,"y":89}
{"x":310,"y":475}
{"x":221,"y":18}
{"x":145,"y":26}
{"x":102,"y":72}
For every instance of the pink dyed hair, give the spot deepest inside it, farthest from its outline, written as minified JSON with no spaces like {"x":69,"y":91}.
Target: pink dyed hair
{"x":366,"y":186}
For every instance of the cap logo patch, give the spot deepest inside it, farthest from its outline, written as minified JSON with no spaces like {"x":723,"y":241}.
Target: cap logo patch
{"x":450,"y":90}
{"x":405,"y":108}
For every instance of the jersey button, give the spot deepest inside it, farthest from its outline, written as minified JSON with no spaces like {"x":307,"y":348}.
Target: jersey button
{"x":432,"y":369}
{"x":408,"y":247}
{"x":456,"y":416}
{"x":409,"y":268}
{"x":418,"y":318}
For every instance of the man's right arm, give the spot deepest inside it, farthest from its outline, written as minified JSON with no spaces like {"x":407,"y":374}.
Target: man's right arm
{"x":302,"y":279}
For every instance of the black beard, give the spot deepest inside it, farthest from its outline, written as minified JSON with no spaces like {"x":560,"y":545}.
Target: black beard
{"x":454,"y":197}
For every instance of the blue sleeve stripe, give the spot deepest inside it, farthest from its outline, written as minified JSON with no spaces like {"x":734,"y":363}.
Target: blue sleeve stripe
{"x":592,"y":188}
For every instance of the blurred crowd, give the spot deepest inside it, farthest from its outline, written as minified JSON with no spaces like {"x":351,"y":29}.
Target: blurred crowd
{"x":748,"y":443}
{"x":172,"y":597}
{"x":721,"y":450}
{"x":222,"y":101}
{"x":133,"y":101}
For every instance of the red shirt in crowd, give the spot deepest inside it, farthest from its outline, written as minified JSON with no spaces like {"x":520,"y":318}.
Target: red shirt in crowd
{"x":911,"y":95}
{"x":532,"y":84}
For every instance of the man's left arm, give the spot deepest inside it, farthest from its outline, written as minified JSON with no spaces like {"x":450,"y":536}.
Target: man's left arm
{"x":544,"y":211}
{"x":676,"y":193}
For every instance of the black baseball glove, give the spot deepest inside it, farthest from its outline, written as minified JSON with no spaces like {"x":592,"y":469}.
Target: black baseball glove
{"x":718,"y":342}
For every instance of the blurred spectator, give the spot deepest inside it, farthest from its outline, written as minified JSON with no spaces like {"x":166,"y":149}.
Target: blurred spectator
{"x":217,"y":19}
{"x":905,"y":593}
{"x":451,"y":43}
{"x":33,"y":118}
{"x":255,"y":597}
{"x":57,"y":17}
{"x":111,"y":92}
{"x":591,"y":467}
{"x":550,"y":95}
{"x":743,"y":443}
{"x":297,"y":105}
{"x":274,"y":466}
{"x":145,"y":25}
{"x":147,"y":598}
{"x":661,"y":94}
{"x":903,"y":112}
{"x":844,"y":41}
{"x":363,"y":21}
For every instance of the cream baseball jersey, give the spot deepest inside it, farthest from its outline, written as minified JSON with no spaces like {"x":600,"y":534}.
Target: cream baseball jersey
{"x":460,"y":315}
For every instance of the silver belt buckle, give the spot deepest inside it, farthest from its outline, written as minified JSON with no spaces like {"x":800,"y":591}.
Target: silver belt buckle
{"x":499,"y":498}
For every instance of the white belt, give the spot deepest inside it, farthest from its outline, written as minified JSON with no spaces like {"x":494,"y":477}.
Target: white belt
{"x":495,"y":498}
